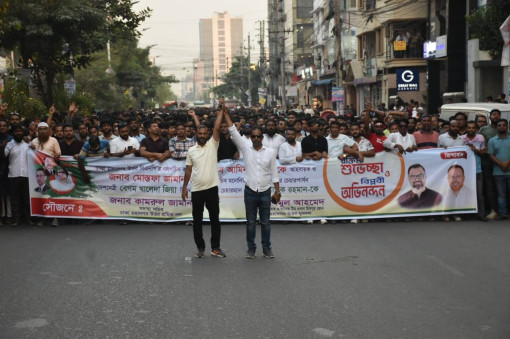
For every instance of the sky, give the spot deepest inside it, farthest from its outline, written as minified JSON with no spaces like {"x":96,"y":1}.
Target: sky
{"x":172,"y":29}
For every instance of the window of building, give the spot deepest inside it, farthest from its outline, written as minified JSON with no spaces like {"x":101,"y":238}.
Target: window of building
{"x":222,"y":56}
{"x":379,"y":41}
{"x":221,"y":50}
{"x":221,"y":44}
{"x":304,"y":7}
{"x":223,"y":67}
{"x":221,"y":24}
{"x":221,"y":32}
{"x":221,"y":38}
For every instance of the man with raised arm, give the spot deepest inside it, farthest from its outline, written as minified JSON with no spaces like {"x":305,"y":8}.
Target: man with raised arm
{"x":202,"y":168}
{"x":261,"y":172}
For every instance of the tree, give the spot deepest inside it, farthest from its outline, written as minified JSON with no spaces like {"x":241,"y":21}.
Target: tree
{"x":135,"y":79}
{"x":484,"y":25}
{"x":235,"y":82}
{"x":53,"y":37}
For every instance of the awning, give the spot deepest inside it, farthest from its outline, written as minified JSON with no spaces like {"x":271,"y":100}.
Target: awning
{"x":324,"y":82}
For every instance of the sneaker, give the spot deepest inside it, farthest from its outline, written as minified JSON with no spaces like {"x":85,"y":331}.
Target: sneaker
{"x":457,"y":218}
{"x":268,"y":253}
{"x":54,"y":223}
{"x":218,"y":253}
{"x":482,"y":218}
{"x":309,"y":221}
{"x":354,"y":221}
{"x":200,"y":253}
{"x":251,"y":253}
{"x":446,"y":219}
{"x":364,"y":220}
{"x":189,"y":223}
{"x":324,"y":221}
{"x":492,"y":215}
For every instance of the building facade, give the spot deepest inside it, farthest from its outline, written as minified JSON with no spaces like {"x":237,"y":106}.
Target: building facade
{"x":221,"y":39}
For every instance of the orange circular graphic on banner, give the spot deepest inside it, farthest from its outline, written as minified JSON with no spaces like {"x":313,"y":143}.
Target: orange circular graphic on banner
{"x":355,"y":207}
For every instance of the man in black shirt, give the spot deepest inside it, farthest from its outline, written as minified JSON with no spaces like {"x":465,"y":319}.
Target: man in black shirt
{"x":69,"y":145}
{"x":227,"y":149}
{"x":314,"y":146}
{"x":154,"y":147}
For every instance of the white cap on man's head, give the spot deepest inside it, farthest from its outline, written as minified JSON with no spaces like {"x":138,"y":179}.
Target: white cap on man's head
{"x":42,"y":124}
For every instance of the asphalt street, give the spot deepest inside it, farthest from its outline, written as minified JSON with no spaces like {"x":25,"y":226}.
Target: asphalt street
{"x":370,"y":280}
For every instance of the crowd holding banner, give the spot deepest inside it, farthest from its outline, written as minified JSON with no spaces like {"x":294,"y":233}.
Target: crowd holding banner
{"x":136,"y":189}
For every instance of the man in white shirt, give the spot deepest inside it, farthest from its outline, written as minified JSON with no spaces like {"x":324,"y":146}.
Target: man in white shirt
{"x":271,"y":138}
{"x":401,"y":140}
{"x":452,"y":138}
{"x":261,"y":172}
{"x":202,"y":167}
{"x":290,"y":151}
{"x":16,"y":150}
{"x":124,"y":145}
{"x":338,"y":143}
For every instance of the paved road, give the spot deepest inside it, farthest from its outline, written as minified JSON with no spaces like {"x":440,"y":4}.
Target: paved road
{"x":374,"y":280}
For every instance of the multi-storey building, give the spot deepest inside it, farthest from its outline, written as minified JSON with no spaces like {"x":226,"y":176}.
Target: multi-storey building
{"x":290,"y":34}
{"x":221,"y":39}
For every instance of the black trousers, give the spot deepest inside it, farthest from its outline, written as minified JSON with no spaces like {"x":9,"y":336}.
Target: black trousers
{"x":211,"y":200}
{"x":20,"y":197}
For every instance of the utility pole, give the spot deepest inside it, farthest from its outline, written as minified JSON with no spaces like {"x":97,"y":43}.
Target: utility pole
{"x":283,"y":78}
{"x":262,"y":60}
{"x":249,"y":71}
{"x":339,"y":59}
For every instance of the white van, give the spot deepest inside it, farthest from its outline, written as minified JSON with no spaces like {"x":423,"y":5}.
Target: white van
{"x":472,"y":109}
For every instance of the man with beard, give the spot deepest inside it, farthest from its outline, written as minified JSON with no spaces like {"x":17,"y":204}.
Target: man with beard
{"x":419,"y":196}
{"x":376,"y":137}
{"x":202,"y":168}
{"x":16,"y":151}
{"x":458,"y":195}
{"x":44,"y":142}
{"x":227,"y":149}
{"x":261,"y":172}
{"x":477,"y":144}
{"x":452,"y":138}
{"x":58,"y":132}
{"x":271,"y":138}
{"x":426,"y":137}
{"x":107,"y":131}
{"x":499,"y":152}
{"x":290,"y":151}
{"x":365,"y":148}
{"x":83,"y":132}
{"x":154,"y":147}
{"x":134,"y":130}
{"x":48,"y":145}
{"x":69,"y":145}
{"x":124,"y":145}
{"x":314,"y":146}
{"x":401,"y":140}
{"x":488,"y":132}
{"x":282,"y":127}
{"x":338,"y":143}
{"x":461,"y":118}
{"x":300,"y":134}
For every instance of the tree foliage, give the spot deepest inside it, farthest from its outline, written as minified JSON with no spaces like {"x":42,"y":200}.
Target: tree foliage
{"x":134,"y":83}
{"x":53,"y":37}
{"x":484,"y":25}
{"x":235,"y":82}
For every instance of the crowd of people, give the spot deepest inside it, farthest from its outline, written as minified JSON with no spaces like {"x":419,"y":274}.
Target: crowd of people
{"x":293,"y":135}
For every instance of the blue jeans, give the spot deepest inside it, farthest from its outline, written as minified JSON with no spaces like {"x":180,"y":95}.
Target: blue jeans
{"x":260,"y":201}
{"x":502,"y":189}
